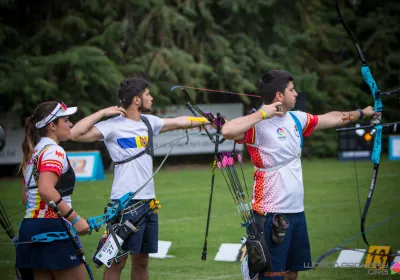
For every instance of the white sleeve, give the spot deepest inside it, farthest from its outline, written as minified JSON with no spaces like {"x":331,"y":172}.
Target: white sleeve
{"x":106,"y":128}
{"x":53,"y":159}
{"x":308,"y":122}
{"x":155,"y":122}
{"x":302,"y":116}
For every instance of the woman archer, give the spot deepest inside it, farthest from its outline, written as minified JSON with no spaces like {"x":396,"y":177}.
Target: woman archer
{"x":48,"y":176}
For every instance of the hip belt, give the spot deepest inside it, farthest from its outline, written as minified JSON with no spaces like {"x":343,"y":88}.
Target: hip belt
{"x":276,"y":167}
{"x":136,"y":205}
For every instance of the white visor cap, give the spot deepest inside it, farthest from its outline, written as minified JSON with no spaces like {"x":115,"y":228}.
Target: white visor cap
{"x":61,"y":110}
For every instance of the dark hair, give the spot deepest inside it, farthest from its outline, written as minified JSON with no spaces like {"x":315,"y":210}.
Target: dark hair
{"x":32,"y":134}
{"x":130,"y":88}
{"x":272,"y":82}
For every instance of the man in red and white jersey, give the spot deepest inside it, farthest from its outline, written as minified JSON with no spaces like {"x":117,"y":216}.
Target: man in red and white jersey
{"x":274,"y":138}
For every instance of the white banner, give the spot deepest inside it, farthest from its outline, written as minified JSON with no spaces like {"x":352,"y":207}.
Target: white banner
{"x":12,"y":152}
{"x":198,"y":144}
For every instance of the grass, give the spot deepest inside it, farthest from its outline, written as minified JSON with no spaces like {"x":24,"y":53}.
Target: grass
{"x":331,"y":205}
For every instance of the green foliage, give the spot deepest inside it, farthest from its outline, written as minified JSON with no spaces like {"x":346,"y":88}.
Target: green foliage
{"x":78,"y":51}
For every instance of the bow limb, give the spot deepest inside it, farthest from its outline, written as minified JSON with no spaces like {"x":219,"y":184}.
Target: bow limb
{"x":377,"y":130}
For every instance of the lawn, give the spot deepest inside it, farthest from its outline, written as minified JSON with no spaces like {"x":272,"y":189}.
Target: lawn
{"x":331,"y":205}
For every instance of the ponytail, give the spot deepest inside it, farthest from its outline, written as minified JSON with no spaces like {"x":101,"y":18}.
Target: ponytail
{"x":31,"y":138}
{"x":33,"y":135}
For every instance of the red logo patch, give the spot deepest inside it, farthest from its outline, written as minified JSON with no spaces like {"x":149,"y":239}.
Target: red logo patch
{"x":60,"y":154}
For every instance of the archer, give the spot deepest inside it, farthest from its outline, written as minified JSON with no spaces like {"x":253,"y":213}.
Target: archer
{"x":274,"y":140}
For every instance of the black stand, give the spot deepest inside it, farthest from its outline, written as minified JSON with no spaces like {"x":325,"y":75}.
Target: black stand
{"x":216,"y":142}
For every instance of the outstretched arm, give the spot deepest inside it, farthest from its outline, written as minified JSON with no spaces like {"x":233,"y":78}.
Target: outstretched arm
{"x":337,"y":119}
{"x":182,"y":122}
{"x":84,"y":131}
{"x":236,"y":128}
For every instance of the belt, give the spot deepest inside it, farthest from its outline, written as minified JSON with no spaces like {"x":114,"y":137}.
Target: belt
{"x":136,"y":204}
{"x":141,"y":200}
{"x":276,"y":167}
{"x":262,"y":213}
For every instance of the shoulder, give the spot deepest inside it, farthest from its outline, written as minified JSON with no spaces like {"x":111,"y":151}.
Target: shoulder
{"x":151,"y":117}
{"x":308,"y":121}
{"x":305,"y":117}
{"x":299,"y":114}
{"x":107,"y":127}
{"x":54,"y":152}
{"x":111,"y":121}
{"x":153,"y":120}
{"x":52,"y":157}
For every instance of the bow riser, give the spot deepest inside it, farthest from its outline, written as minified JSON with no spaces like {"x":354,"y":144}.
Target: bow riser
{"x":50,"y":236}
{"x":97,"y":221}
{"x":366,"y":73}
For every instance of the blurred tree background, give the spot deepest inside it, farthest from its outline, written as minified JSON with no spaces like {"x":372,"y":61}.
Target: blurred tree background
{"x":79,"y":51}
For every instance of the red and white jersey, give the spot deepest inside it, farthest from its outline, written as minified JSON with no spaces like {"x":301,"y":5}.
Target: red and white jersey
{"x":52,"y":158}
{"x":274,"y":148}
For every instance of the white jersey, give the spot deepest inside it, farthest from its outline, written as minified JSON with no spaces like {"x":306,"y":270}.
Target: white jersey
{"x":125,"y":138}
{"x":52,"y":158}
{"x":274,"y":147}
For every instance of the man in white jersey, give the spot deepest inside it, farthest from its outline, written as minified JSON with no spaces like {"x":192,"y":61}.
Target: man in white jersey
{"x":125,"y":137}
{"x":274,"y":143}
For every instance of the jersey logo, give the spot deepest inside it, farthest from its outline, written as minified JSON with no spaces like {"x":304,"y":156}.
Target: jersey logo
{"x":143,"y":141}
{"x":296,"y":131}
{"x":281,"y":134}
{"x":60,"y":154}
{"x":133,"y":142}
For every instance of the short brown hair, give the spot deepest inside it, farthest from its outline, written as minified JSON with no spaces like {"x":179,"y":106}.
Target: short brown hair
{"x":130,"y":88}
{"x":272,"y":82}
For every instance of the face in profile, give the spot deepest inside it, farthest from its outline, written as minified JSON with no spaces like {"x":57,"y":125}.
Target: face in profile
{"x":288,"y":99}
{"x":146,"y":101}
{"x":63,"y":128}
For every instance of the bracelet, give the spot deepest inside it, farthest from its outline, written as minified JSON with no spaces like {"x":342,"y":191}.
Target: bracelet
{"x":361,"y":114}
{"x":76,"y":220}
{"x":264,"y":114}
{"x":69,"y":213}
{"x":59,"y":200}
